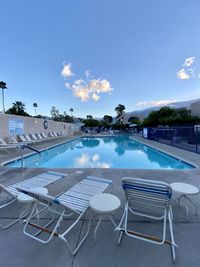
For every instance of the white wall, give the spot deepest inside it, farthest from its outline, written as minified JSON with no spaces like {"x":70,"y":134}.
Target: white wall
{"x":33,"y":125}
{"x":195,"y":108}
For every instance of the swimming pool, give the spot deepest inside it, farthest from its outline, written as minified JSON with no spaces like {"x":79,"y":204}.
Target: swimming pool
{"x":106,"y":152}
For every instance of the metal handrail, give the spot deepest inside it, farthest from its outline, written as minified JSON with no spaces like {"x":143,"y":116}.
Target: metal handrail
{"x":22,"y":154}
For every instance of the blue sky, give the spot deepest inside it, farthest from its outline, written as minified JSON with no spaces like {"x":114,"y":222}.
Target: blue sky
{"x":134,"y":52}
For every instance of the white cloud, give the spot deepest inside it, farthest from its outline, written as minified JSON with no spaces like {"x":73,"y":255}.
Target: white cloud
{"x":68,"y":85}
{"x":182,"y":74}
{"x":155,"y":103}
{"x":86,"y":89}
{"x":192,"y":71}
{"x":67,"y":71}
{"x":87,"y":73}
{"x":95,"y":97}
{"x":81,"y":92}
{"x":78,"y":82}
{"x":90,"y":90}
{"x":189,"y":61}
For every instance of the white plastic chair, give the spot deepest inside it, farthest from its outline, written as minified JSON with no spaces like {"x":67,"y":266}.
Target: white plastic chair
{"x":150,"y":199}
{"x":41,"y":180}
{"x":74,"y":201}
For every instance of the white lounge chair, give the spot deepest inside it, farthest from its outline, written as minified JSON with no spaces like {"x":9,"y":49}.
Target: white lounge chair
{"x":74,"y":201}
{"x":40,"y":180}
{"x":150,"y":199}
{"x":29,"y":139}
{"x":25,"y":140}
{"x":4,"y":145}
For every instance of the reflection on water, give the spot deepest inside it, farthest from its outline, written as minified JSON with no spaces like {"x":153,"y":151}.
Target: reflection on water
{"x":93,"y":161}
{"x":107,"y":152}
{"x":90,"y":142}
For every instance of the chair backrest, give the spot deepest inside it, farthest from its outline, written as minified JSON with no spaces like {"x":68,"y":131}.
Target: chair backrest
{"x":54,"y":134}
{"x":76,"y":198}
{"x":13,"y":139}
{"x":51,"y":134}
{"x":44,"y":135}
{"x":28,"y":137}
{"x":34,"y":137}
{"x":22,"y":138}
{"x":2,"y":141}
{"x":40,"y":180}
{"x":147,"y":197}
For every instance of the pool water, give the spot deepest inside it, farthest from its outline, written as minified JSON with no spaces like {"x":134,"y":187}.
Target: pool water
{"x":106,"y":152}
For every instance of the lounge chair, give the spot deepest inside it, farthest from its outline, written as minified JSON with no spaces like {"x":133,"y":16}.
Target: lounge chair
{"x":40,"y":180}
{"x":2,"y":141}
{"x":35,"y":138}
{"x":28,"y":138}
{"x":25,"y":140}
{"x":150,"y":199}
{"x":40,"y":137}
{"x":51,"y":135}
{"x":6,"y":146}
{"x":44,"y":136}
{"x":74,"y":201}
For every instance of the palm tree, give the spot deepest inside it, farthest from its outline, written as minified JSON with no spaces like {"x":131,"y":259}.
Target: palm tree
{"x":120,"y":111}
{"x":19,"y":107}
{"x":3,"y":86}
{"x":71,"y":110}
{"x":35,"y":105}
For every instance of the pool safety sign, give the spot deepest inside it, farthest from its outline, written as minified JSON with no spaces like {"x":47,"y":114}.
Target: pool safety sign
{"x":16,"y":126}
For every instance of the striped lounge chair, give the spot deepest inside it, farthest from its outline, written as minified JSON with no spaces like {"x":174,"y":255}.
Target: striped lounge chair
{"x":74,"y":202}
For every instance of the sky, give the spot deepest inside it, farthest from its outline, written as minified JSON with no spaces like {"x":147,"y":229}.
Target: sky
{"x":91,"y":55}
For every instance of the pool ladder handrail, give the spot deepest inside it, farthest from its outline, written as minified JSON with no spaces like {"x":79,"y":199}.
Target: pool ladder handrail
{"x":22,"y":155}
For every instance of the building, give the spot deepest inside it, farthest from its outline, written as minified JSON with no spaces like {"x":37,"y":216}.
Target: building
{"x":195,"y":108}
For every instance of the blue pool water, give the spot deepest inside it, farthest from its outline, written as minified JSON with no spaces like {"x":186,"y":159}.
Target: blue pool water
{"x":107,"y":152}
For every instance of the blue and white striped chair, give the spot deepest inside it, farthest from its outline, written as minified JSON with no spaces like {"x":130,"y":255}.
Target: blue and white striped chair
{"x":40,"y":180}
{"x":150,"y":199}
{"x":74,"y":201}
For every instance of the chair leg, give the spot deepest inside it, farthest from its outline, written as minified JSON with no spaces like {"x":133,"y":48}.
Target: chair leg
{"x":172,"y":235}
{"x":62,"y":237}
{"x":119,"y":227}
{"x":96,"y":228}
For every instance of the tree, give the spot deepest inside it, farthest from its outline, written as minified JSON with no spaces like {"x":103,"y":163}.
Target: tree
{"x":18,"y":108}
{"x":120,"y":109}
{"x":54,"y":113}
{"x":91,"y":123}
{"x":134,"y":120}
{"x":35,"y":105}
{"x":170,"y":116}
{"x":3,"y":86}
{"x":89,"y":117}
{"x":107,"y":119}
{"x":71,"y":110}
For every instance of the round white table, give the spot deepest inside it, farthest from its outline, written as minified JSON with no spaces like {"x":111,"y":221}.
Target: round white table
{"x":104,"y":204}
{"x":23,"y":198}
{"x":185,"y":190}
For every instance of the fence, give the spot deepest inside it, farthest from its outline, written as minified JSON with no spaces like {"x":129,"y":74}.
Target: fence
{"x":187,"y":138}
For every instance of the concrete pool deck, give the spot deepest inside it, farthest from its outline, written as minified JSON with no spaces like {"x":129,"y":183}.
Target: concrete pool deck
{"x":19,"y":250}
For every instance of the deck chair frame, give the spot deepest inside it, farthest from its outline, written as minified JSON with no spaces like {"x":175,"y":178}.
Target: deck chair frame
{"x":150,"y":199}
{"x":41,"y":180}
{"x":74,"y":202}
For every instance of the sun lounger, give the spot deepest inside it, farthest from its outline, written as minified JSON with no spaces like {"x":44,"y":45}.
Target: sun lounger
{"x":74,"y":201}
{"x":41,"y":180}
{"x":6,"y":146}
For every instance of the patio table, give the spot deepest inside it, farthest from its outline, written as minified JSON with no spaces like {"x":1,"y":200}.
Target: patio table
{"x":104,"y":204}
{"x":185,"y":190}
